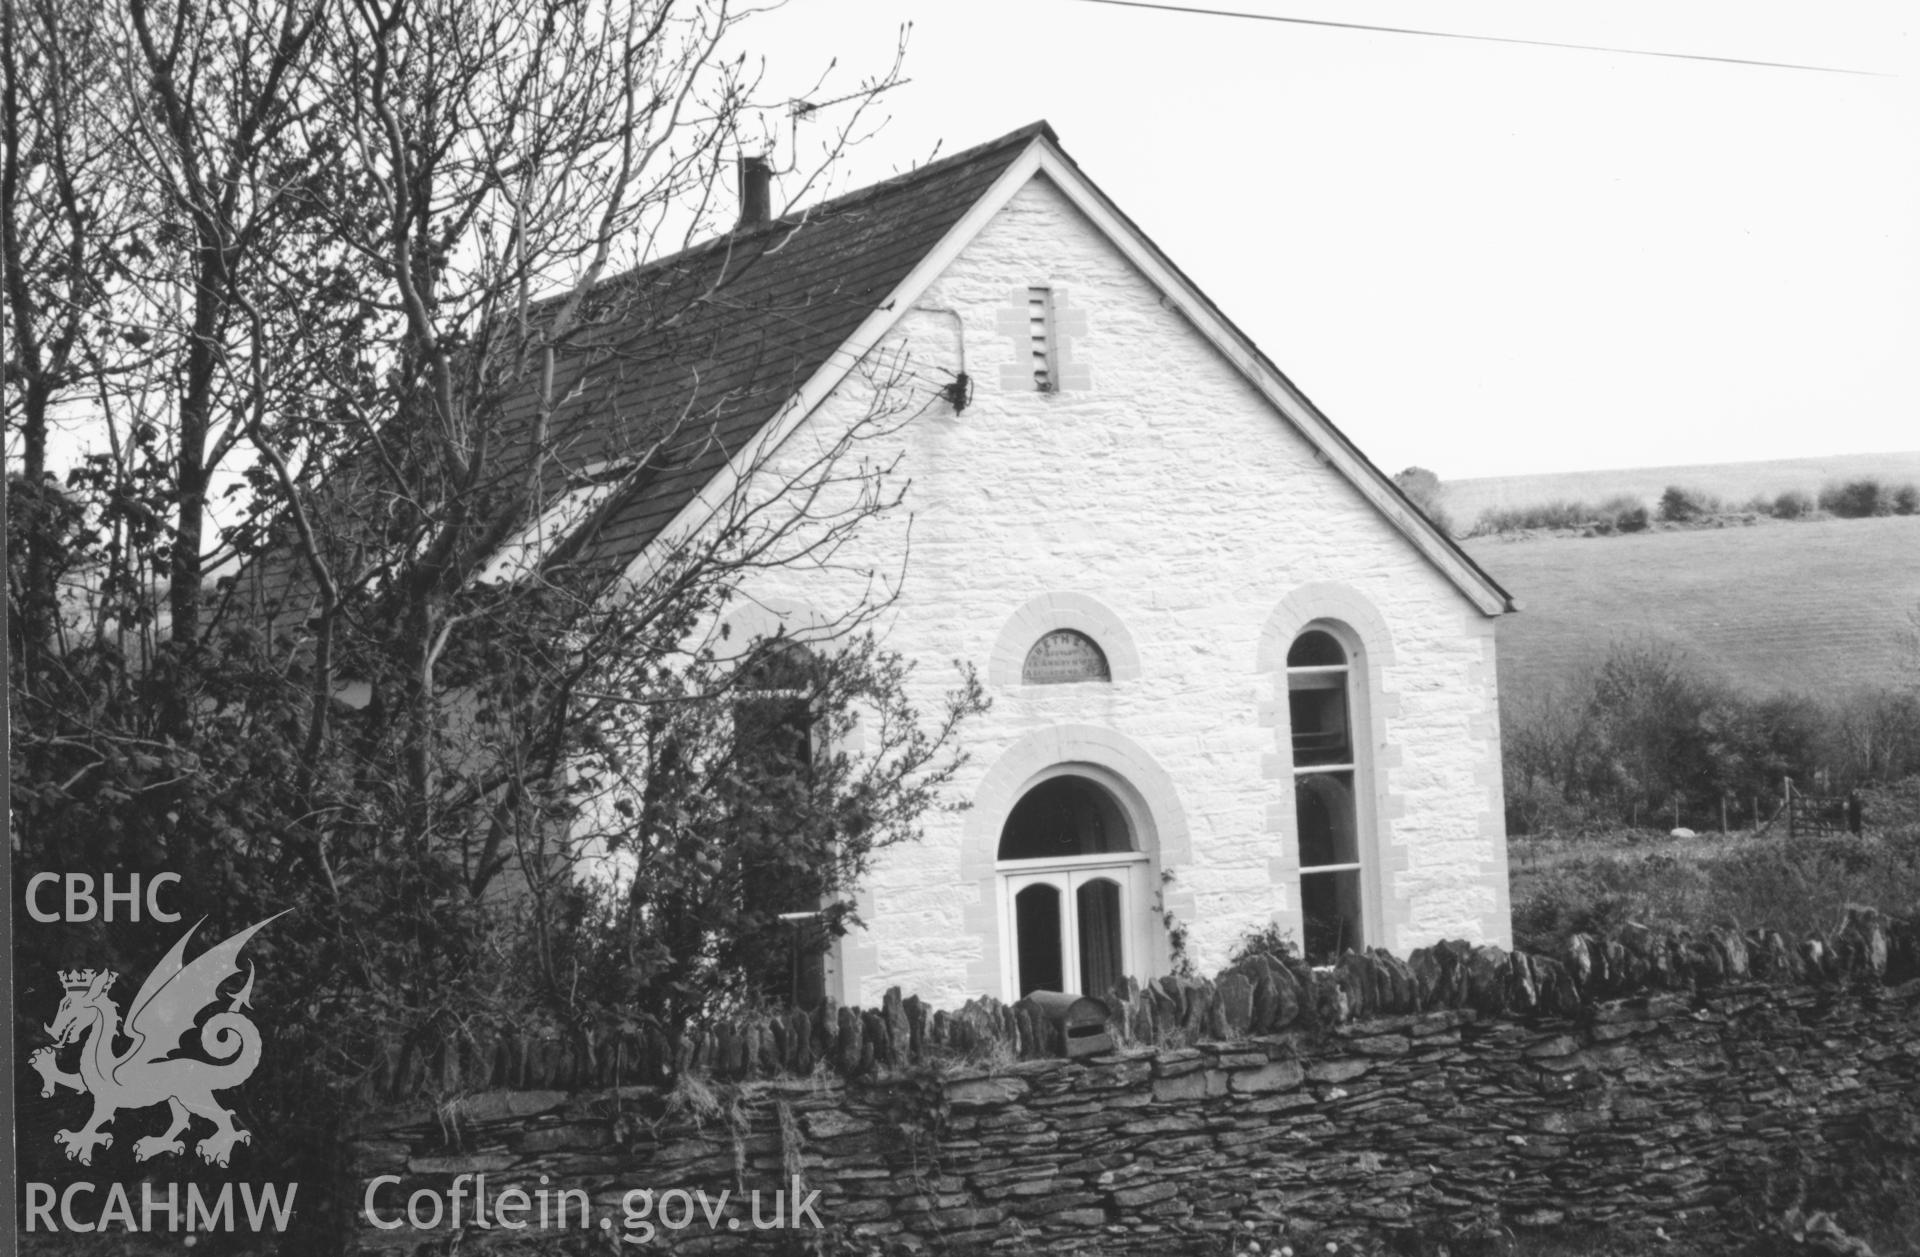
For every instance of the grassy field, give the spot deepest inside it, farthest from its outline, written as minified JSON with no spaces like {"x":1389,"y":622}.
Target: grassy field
{"x":1801,"y":886}
{"x":1733,"y":482}
{"x":1809,"y":606}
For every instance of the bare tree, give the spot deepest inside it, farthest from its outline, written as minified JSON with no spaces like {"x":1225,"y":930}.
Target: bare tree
{"x":386,"y":301}
{"x":66,"y":228}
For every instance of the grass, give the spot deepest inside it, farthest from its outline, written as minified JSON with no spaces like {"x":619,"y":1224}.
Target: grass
{"x":1815,"y":606}
{"x":1800,"y":886}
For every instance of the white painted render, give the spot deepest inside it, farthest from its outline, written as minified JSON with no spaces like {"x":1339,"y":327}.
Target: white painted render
{"x":1160,"y":502}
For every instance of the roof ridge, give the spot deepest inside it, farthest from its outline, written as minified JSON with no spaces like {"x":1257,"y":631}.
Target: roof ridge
{"x":1019,"y":135}
{"x":893,"y":183}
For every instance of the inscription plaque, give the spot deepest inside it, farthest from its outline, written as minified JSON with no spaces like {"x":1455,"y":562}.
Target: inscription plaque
{"x":1064,"y":656}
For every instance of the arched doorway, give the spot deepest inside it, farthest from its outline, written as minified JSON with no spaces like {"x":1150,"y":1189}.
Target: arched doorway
{"x":1073,"y":887}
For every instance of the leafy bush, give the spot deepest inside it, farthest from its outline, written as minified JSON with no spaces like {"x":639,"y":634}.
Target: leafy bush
{"x":1793,"y":504}
{"x":1422,"y":488}
{"x":1268,"y":940}
{"x":1645,"y":736}
{"x":1856,"y":499}
{"x":1866,"y":496}
{"x":1555,"y":514}
{"x":1566,"y":901}
{"x":1623,"y":512}
{"x":1679,"y":505}
{"x":1627,"y":513}
{"x":1894,"y":809}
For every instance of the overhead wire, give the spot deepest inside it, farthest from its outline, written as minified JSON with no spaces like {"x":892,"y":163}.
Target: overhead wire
{"x":1491,"y":39}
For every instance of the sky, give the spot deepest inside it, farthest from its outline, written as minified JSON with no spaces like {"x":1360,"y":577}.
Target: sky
{"x":1482,"y":258}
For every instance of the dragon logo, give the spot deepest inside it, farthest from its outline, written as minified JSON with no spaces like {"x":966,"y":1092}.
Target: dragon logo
{"x":147,"y":1073}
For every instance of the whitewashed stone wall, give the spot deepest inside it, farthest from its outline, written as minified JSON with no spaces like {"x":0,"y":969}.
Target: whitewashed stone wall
{"x":1159,"y":490}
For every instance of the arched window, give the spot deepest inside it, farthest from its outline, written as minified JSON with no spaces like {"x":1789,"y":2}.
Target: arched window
{"x":1074,"y":886}
{"x":1327,"y":770}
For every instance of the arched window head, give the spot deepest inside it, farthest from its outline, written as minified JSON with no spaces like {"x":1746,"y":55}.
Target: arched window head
{"x":778,"y":665}
{"x":1316,"y":648}
{"x":773,"y":707}
{"x":1065,"y":656}
{"x":1066,"y":816}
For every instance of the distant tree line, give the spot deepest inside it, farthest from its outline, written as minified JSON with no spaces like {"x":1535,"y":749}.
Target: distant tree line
{"x":1858,"y":498}
{"x":1645,"y":738}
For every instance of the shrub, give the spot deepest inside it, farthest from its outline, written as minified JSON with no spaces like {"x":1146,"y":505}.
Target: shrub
{"x":1628,"y":514}
{"x":1556,"y":514}
{"x":1679,"y":504}
{"x":1623,"y":512}
{"x":1269,"y":940}
{"x":1894,"y":810}
{"x":1538,"y":809}
{"x":1801,"y":887}
{"x":1856,"y":499}
{"x":1573,"y":899}
{"x":1422,"y":488}
{"x":1793,"y":504}
{"x":1906,"y":500}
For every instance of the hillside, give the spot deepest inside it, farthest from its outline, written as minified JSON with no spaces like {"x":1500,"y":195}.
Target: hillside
{"x":1770,"y":607}
{"x":1733,"y":482}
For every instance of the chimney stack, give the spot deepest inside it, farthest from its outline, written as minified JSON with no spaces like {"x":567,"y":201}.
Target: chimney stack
{"x":756,"y":191}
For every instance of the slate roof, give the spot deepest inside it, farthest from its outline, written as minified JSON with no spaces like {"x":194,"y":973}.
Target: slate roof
{"x":709,"y":344}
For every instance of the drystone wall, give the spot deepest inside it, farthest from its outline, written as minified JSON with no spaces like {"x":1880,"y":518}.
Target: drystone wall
{"x":1642,"y":1082}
